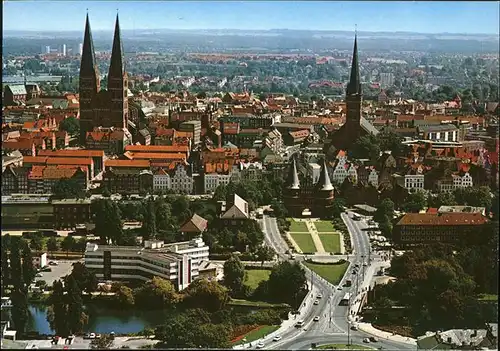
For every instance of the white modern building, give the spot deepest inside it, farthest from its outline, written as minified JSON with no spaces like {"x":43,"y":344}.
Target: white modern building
{"x":177,"y":262}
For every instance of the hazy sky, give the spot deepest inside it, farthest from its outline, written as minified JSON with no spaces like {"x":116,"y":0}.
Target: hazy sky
{"x":424,"y":17}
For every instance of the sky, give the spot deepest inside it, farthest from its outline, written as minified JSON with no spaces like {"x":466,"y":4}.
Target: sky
{"x":372,"y":16}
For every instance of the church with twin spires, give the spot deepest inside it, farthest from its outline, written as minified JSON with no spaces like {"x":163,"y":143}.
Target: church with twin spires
{"x":104,"y":114}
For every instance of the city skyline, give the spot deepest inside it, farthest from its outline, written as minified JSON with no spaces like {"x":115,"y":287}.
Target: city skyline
{"x":418,"y":17}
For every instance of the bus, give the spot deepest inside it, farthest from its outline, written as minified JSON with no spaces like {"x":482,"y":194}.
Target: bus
{"x":345,"y":299}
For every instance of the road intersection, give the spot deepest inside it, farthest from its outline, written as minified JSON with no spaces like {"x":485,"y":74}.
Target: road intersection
{"x":335,"y":321}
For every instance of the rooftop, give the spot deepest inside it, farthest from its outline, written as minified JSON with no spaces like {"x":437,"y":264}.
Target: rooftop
{"x":443,"y":219}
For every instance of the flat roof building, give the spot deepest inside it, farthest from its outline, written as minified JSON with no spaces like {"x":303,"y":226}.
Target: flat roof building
{"x":177,"y":262}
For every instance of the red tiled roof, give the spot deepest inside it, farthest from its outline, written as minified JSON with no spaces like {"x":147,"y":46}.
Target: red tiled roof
{"x":157,"y":148}
{"x":35,"y":159}
{"x":71,"y":153}
{"x":157,"y":155}
{"x":69,"y":161}
{"x":127,"y":163}
{"x":443,"y":219}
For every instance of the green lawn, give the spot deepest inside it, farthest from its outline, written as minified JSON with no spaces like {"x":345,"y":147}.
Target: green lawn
{"x":254,"y":276}
{"x":305,"y":242}
{"x":331,"y":242}
{"x":257,"y":334}
{"x":298,"y":227}
{"x":343,"y":347}
{"x":333,"y":273}
{"x":262,"y":304}
{"x":324,"y":226}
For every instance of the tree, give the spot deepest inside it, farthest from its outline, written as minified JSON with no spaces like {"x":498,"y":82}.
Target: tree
{"x":148,"y":229}
{"x":365,"y":147}
{"x":52,"y":244}
{"x":107,"y":219}
{"x":57,"y":311}
{"x":16,"y":270}
{"x":390,"y":141}
{"x":286,"y":282}
{"x":441,"y":199}
{"x":264,"y":253}
{"x":209,"y":295}
{"x":337,"y":207}
{"x":415,"y":202}
{"x":76,"y":318}
{"x":156,"y":293}
{"x":36,"y":243}
{"x":67,"y":188}
{"x":68,"y":244}
{"x":384,"y":210}
{"x":125,"y":296}
{"x":28,"y":268}
{"x":474,"y":196}
{"x":234,"y":274}
{"x":19,"y":312}
{"x":5,"y":268}
{"x":85,"y":279}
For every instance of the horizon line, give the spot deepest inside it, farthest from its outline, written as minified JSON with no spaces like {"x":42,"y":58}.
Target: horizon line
{"x":244,"y":29}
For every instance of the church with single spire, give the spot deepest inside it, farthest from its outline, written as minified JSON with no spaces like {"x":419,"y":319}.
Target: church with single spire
{"x":355,"y":125}
{"x":103,"y":113}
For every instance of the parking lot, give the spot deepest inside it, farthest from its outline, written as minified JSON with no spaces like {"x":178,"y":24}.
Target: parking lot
{"x":63,"y":268}
{"x":81,"y":343}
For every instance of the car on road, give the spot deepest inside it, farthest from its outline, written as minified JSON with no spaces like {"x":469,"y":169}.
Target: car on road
{"x":316,"y":303}
{"x":356,"y":265}
{"x":354,"y":327}
{"x":366,"y":340}
{"x":365,"y":264}
{"x":316,"y":319}
{"x":340,"y":287}
{"x":86,"y":336}
{"x":92,"y":336}
{"x":39,"y":275}
{"x":277,"y":338}
{"x":319,"y":296}
{"x":373,"y":339}
{"x":299,"y":324}
{"x":53,"y":263}
{"x":260,"y":345}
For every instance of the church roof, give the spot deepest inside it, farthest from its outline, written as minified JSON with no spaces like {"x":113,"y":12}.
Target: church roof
{"x":116,"y":68}
{"x":354,"y":85}
{"x":293,"y":177}
{"x":88,"y":65}
{"x":324,"y":179}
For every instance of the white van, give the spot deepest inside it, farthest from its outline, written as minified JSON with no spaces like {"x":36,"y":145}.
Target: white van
{"x":299,"y":324}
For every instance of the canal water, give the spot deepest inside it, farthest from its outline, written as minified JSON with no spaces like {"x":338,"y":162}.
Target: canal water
{"x":101,"y":320}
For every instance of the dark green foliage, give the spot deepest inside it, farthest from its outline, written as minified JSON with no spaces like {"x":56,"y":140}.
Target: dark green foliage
{"x":208,"y":295}
{"x":107,"y":219}
{"x":85,"y":279}
{"x":68,"y":189}
{"x":234,"y":274}
{"x":19,"y":312}
{"x":71,"y":125}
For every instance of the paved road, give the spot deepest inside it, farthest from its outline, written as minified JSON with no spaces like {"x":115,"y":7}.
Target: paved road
{"x":334,"y":329}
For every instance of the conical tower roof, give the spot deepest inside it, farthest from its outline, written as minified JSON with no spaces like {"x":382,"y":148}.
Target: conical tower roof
{"x":88,"y":64}
{"x":354,"y":85}
{"x":293,"y":177}
{"x":324,"y":182}
{"x":117,"y":67}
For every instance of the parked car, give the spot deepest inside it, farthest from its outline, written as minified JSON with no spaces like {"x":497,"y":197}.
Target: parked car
{"x":316,"y":319}
{"x":373,"y":339}
{"x":366,"y":340}
{"x":316,"y":302}
{"x":53,"y":263}
{"x":354,"y":327}
{"x":319,"y":296}
{"x":92,"y":336}
{"x":39,"y":275}
{"x":86,"y":336}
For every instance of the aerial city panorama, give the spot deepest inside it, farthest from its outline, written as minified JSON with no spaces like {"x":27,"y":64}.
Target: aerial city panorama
{"x":250,"y":175}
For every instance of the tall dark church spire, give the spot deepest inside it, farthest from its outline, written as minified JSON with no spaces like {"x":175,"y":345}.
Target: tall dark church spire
{"x":89,"y":83}
{"x":116,"y":67}
{"x":88,"y":64}
{"x":354,"y":85}
{"x":118,"y":82}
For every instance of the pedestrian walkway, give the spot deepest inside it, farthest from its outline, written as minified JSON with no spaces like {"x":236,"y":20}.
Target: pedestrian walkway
{"x":315,"y":236}
{"x":370,"y":329}
{"x":296,"y":247}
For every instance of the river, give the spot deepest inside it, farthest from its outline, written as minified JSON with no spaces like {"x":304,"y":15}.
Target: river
{"x":101,"y":320}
